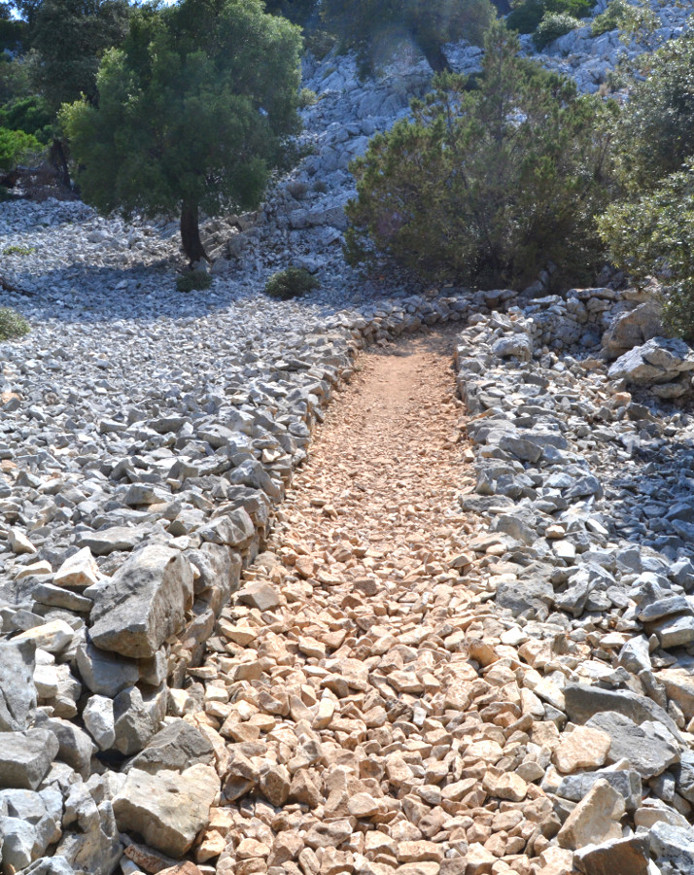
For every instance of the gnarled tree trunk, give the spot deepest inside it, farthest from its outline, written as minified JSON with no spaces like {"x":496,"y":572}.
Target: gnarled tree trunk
{"x":190,"y":233}
{"x":58,"y":159}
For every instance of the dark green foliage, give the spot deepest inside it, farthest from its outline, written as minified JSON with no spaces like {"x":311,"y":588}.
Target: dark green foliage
{"x":375,"y":28}
{"x":527,"y":15}
{"x":613,"y":17}
{"x":292,"y":282}
{"x":12,"y":34}
{"x":653,"y":235}
{"x":193,"y":280}
{"x":651,"y":232}
{"x":12,"y":324}
{"x":14,"y":79}
{"x":28,"y":114}
{"x":656,"y":132}
{"x":486,"y":186}
{"x":15,"y":147}
{"x":193,"y":112}
{"x":552,"y":26}
{"x":298,"y":11}
{"x":69,"y":37}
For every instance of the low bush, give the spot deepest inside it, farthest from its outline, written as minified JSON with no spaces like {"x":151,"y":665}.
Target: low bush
{"x":614,"y":16}
{"x":193,"y":280}
{"x":655,"y":135}
{"x":527,"y":15}
{"x":486,"y":186}
{"x":653,"y":236}
{"x":292,"y":282}
{"x":16,"y":147}
{"x":552,"y":26}
{"x":28,"y":114}
{"x":12,"y":324}
{"x":19,"y":250}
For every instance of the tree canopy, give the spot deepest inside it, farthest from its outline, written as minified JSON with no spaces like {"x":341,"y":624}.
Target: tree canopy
{"x":69,"y":37}
{"x":192,"y":113}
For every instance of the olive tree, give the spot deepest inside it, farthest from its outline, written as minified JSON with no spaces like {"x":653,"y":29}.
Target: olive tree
{"x":192,"y":113}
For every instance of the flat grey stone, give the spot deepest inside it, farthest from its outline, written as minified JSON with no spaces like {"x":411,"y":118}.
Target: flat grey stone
{"x":232,"y":529}
{"x":675,"y":631}
{"x":99,"y":720}
{"x":105,"y":673}
{"x":262,"y":596}
{"x":56,"y":865}
{"x":672,"y":846}
{"x":676,"y":604}
{"x":57,"y":597}
{"x":175,"y":747}
{"x":583,"y":701}
{"x":20,"y":843}
{"x":627,"y":782}
{"x":137,"y":717}
{"x":106,"y":541}
{"x":144,"y":604}
{"x":649,"y":747}
{"x":17,"y":690}
{"x":75,"y":747}
{"x":167,"y":809}
{"x":628,"y":855}
{"x":25,"y":757}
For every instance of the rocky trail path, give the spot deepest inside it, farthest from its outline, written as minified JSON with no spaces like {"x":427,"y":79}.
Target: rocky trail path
{"x":342,"y":674}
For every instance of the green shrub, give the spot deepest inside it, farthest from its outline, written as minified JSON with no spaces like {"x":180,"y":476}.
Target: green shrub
{"x":613,"y":17}
{"x":12,"y":324}
{"x":527,"y":15}
{"x":292,"y":282}
{"x":319,"y":42}
{"x":465,"y":190}
{"x":15,"y":147}
{"x":193,"y":280}
{"x":653,"y":236}
{"x":655,"y":135}
{"x":19,"y":250}
{"x":298,"y":11}
{"x":375,"y":28}
{"x":307,"y":97}
{"x":552,"y":26}
{"x":28,"y":114}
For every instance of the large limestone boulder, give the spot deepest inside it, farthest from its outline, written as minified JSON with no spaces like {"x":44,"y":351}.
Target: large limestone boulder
{"x":659,"y":360}
{"x":632,"y":329}
{"x":145,"y":603}
{"x":168,"y":809}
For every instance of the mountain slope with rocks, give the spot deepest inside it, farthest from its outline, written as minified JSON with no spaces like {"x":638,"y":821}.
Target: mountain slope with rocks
{"x":463,"y":645}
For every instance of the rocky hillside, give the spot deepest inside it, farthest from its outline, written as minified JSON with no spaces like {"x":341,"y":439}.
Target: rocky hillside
{"x":148,"y":439}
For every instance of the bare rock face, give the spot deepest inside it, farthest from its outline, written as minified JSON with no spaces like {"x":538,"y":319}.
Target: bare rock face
{"x":167,"y":809}
{"x":144,"y":604}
